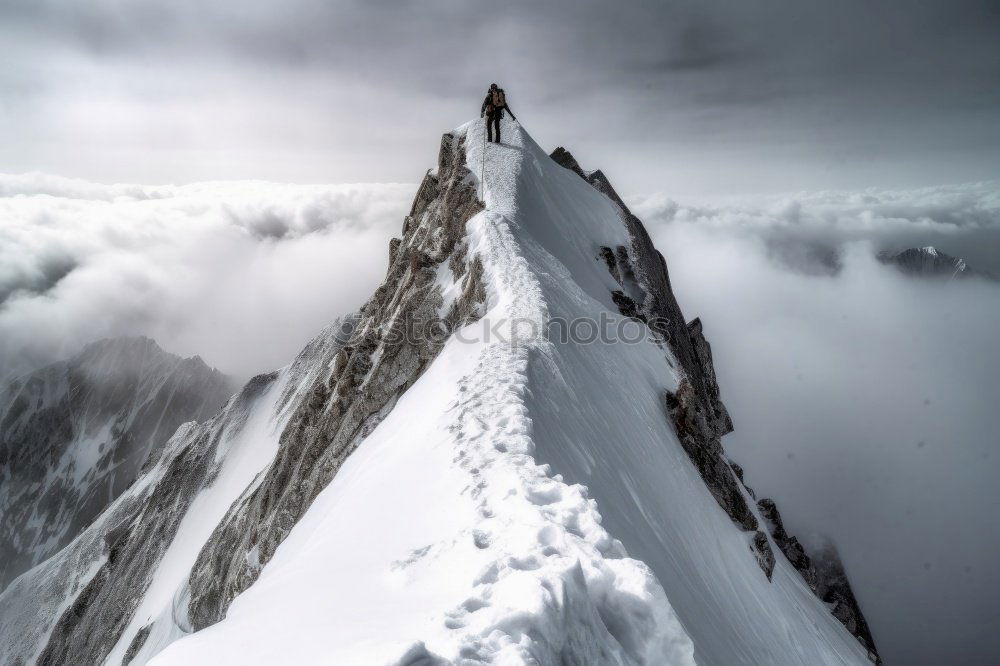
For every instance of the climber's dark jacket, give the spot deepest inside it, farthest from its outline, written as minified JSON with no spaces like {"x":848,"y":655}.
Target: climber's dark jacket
{"x":488,"y":106}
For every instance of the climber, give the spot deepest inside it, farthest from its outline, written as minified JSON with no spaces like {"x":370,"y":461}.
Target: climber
{"x":493,"y":108}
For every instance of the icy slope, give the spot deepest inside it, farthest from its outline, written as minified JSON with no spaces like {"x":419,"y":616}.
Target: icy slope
{"x":74,"y":435}
{"x":458,"y":530}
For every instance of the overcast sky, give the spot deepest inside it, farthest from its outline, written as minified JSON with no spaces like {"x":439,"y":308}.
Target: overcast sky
{"x":698,"y":97}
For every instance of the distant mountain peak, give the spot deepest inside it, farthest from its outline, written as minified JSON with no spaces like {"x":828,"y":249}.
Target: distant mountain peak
{"x":75,"y":434}
{"x":930,"y":262}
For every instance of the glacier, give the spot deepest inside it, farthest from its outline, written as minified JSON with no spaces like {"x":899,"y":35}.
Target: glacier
{"x":488,"y":495}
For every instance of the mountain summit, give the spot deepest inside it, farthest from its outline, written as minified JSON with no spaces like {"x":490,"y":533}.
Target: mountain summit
{"x":511,"y":454}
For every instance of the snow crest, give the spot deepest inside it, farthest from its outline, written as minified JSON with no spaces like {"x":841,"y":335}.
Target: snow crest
{"x":441,"y":539}
{"x":558,"y":586}
{"x":464,"y":526}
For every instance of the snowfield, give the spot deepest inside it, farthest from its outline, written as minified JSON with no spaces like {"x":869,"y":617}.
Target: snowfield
{"x":524,"y":502}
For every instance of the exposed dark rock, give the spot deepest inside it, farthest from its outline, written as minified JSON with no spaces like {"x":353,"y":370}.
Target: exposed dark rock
{"x":786,"y":543}
{"x":384,"y":357}
{"x":833,"y":587}
{"x":105,"y":571}
{"x":564,"y":158}
{"x":394,"y":244}
{"x":136,"y":644}
{"x":608,"y":255}
{"x":738,"y":471}
{"x":626,"y":305}
{"x":824,"y":572}
{"x":761,"y":549}
{"x":705,"y":450}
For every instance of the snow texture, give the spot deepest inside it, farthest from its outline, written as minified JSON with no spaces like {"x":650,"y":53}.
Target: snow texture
{"x":461,"y":531}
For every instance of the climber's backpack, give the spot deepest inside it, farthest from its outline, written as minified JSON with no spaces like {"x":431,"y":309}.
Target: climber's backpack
{"x":498,"y":100}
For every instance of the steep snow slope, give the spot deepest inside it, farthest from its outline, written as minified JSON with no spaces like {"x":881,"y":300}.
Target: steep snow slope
{"x":74,"y":435}
{"x":459,"y":529}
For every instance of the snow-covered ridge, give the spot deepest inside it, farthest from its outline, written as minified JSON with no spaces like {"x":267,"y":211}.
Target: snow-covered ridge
{"x":500,"y":559}
{"x":456,"y":499}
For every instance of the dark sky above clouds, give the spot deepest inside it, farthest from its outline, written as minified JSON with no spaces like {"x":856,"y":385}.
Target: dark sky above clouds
{"x":697,"y":97}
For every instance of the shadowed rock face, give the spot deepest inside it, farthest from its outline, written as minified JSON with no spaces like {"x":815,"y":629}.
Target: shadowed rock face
{"x":696,"y":411}
{"x":824,"y":573}
{"x":367,"y":377}
{"x":74,"y":435}
{"x":833,"y":587}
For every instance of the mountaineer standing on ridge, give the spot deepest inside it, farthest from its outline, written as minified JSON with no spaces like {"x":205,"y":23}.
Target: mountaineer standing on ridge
{"x":493,"y":107}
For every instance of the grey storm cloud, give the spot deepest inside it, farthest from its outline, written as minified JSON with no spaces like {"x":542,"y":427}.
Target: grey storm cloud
{"x":692,"y":91}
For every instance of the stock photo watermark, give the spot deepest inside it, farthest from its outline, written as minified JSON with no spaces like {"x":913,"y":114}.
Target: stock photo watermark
{"x":605,"y":329}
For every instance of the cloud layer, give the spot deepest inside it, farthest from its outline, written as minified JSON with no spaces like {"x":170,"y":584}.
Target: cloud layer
{"x":864,"y":401}
{"x":808,"y":231}
{"x":242,"y":273}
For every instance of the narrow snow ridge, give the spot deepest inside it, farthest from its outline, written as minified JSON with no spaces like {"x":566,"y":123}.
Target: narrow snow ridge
{"x":445,"y":539}
{"x":441,"y":539}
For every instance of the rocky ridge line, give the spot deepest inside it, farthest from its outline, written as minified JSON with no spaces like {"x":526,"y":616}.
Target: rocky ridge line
{"x":697,"y":413}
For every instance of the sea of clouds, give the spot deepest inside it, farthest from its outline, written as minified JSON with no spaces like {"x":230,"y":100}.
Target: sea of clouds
{"x":241,"y":273}
{"x":865,"y":401}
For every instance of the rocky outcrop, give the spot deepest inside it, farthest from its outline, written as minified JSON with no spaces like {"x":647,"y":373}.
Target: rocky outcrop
{"x":396,"y":335}
{"x":824,"y":572}
{"x":695,"y":408}
{"x":786,"y":543}
{"x":833,"y":587}
{"x":705,"y":451}
{"x":75,"y":434}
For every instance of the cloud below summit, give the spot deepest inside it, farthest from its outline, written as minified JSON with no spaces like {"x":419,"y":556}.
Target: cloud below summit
{"x":242,"y":273}
{"x":864,"y":400}
{"x":808,"y":231}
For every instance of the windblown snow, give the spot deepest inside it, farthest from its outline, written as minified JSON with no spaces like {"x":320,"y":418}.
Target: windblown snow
{"x":525,"y":501}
